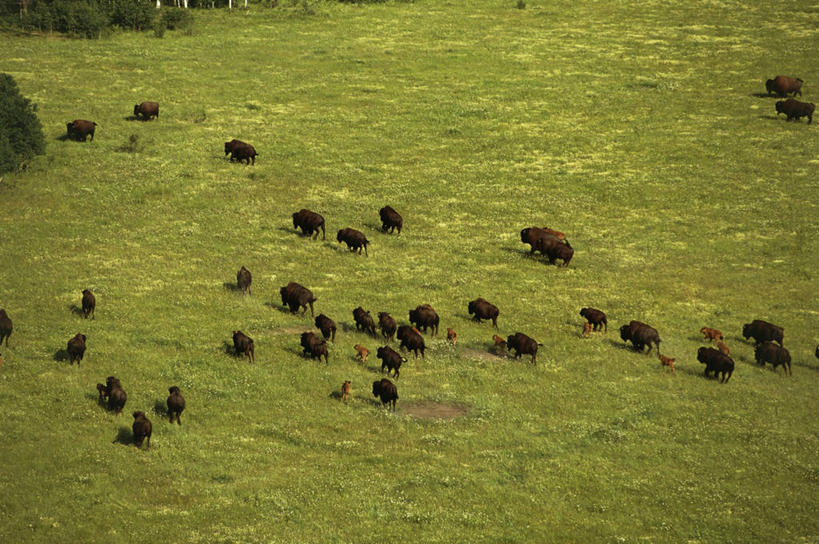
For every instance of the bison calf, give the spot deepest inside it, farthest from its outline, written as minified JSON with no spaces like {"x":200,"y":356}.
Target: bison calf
{"x":76,"y":348}
{"x":723,"y":348}
{"x":146,"y":110}
{"x":141,"y":429}
{"x":666,"y":361}
{"x":176,"y":404}
{"x":711,"y":334}
{"x":345,"y":390}
{"x":361,"y":352}
{"x":499,"y":343}
{"x":387,"y":391}
{"x":452,"y":337}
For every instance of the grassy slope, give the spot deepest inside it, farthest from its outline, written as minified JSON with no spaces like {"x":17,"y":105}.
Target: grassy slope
{"x":635,"y":129}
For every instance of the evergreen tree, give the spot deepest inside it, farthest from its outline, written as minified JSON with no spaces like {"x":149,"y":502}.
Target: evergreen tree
{"x":21,"y":134}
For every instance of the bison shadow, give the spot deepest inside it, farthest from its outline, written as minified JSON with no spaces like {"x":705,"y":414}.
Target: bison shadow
{"x":61,"y":355}
{"x":335,"y":395}
{"x":133,"y":118}
{"x":161,"y":408}
{"x":229,"y":349}
{"x":762,"y":95}
{"x":76,"y":309}
{"x":124,"y":436}
{"x":283,"y":309}
{"x":231,"y":286}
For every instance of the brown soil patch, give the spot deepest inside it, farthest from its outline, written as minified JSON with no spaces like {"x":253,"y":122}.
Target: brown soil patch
{"x":294,"y":330}
{"x":427,"y":409}
{"x":483,"y":355}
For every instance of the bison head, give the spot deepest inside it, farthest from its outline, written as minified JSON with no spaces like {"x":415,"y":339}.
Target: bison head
{"x":624,"y":333}
{"x":524,"y":235}
{"x":746,"y":330}
{"x":136,"y":109}
{"x":769,"y":86}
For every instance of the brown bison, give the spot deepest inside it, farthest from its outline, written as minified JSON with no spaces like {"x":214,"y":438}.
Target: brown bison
{"x":711,"y":334}
{"x":243,"y":345}
{"x":345,"y":390}
{"x":363,"y":321}
{"x":554,"y":248}
{"x":314,"y":346}
{"x":89,"y":303}
{"x":141,"y":429}
{"x":390,"y":359}
{"x":240,"y":151}
{"x":795,"y":109}
{"x":146,"y":110}
{"x":76,"y":348}
{"x":596,"y":318}
{"x":387,"y":391}
{"x":411,"y":340}
{"x":640,"y":335}
{"x":387,"y":325}
{"x":116,"y":394}
{"x":481,"y":309}
{"x":768,"y":352}
{"x":390,"y":220}
{"x":522,"y":344}
{"x":176,"y":404}
{"x":762,"y":331}
{"x":327,"y":327}
{"x":716,"y":362}
{"x":354,"y":239}
{"x":423,"y":317}
{"x":6,"y":327}
{"x":243,"y":280}
{"x":295,"y":296}
{"x":309,"y":222}
{"x":80,"y":129}
{"x":782,"y":85}
{"x":102,"y":391}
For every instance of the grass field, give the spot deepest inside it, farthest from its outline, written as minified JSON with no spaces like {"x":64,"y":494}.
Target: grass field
{"x":639,"y":129}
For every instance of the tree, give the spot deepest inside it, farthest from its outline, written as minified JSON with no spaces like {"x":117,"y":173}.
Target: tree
{"x":21,"y":134}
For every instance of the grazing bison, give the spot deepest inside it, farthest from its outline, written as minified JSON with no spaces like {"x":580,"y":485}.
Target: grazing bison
{"x":243,"y":345}
{"x":142,"y":429}
{"x":363,"y":321}
{"x":240,"y":151}
{"x":716,"y":362}
{"x":345,"y":390}
{"x":243,"y":279}
{"x":640,"y":335}
{"x":146,"y":110}
{"x":387,"y":325}
{"x":327,"y":327}
{"x":411,"y":340}
{"x":387,"y":391}
{"x":354,"y":239}
{"x":309,"y":222}
{"x":711,"y":334}
{"x":483,"y":309}
{"x":116,"y":395}
{"x":390,"y":220}
{"x":176,"y":404}
{"x":89,"y":303}
{"x":80,"y":129}
{"x":295,"y":296}
{"x":782,"y":85}
{"x":768,"y":352}
{"x":522,"y":344}
{"x":795,"y":109}
{"x":596,"y":318}
{"x":6,"y":327}
{"x":390,"y":359}
{"x":762,"y":331}
{"x":314,"y":346}
{"x":424,"y":317}
{"x":76,"y":348}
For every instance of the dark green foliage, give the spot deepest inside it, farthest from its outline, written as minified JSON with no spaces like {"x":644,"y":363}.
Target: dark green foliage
{"x":133,"y":14}
{"x":174,"y":18}
{"x":21,"y":135}
{"x":79,"y":17}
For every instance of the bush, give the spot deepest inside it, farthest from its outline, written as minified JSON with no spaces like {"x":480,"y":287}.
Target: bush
{"x":133,"y":14}
{"x":21,"y":135}
{"x":177,"y":19}
{"x":80,"y":17}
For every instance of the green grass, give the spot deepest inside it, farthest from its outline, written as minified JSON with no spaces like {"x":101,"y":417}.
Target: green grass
{"x":636,"y":128}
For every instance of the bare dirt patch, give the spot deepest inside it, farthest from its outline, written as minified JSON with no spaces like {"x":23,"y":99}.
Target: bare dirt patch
{"x":427,"y":409}
{"x":294,"y":330}
{"x":483,"y":354}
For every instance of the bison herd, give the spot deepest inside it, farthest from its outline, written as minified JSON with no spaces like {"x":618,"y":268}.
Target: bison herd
{"x":782,"y":86}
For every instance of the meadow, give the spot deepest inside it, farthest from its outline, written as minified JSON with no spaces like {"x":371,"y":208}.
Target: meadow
{"x":640,"y":129}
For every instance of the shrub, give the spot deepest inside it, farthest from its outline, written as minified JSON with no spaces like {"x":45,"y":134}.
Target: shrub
{"x":21,"y":135}
{"x":81,"y":17}
{"x":133,"y":14}
{"x":177,"y":19}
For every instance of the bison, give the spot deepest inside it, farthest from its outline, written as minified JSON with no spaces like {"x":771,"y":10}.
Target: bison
{"x":596,"y":318}
{"x":387,"y":325}
{"x":768,"y":352}
{"x":6,"y":326}
{"x":483,"y":309}
{"x":240,"y":151}
{"x":411,"y":340}
{"x":354,"y":239}
{"x":795,"y":109}
{"x":142,"y":429}
{"x":522,"y":344}
{"x":176,"y":404}
{"x":451,"y":336}
{"x":243,"y":345}
{"x":89,"y":303}
{"x":711,"y":334}
{"x":390,"y":220}
{"x":146,"y":110}
{"x":295,"y":296}
{"x":314,"y":346}
{"x":554,"y":248}
{"x":243,"y":280}
{"x":387,"y":391}
{"x":716,"y":362}
{"x":666,"y":361}
{"x":762,"y":331}
{"x":423,"y":317}
{"x":116,"y":394}
{"x":76,"y":348}
{"x":782,"y":85}
{"x":364,"y":321}
{"x":361,"y":352}
{"x":327,"y":327}
{"x":390,"y":359}
{"x":80,"y":129}
{"x":640,"y":335}
{"x":345,"y":390}
{"x":309,"y":222}
{"x":531,"y":235}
